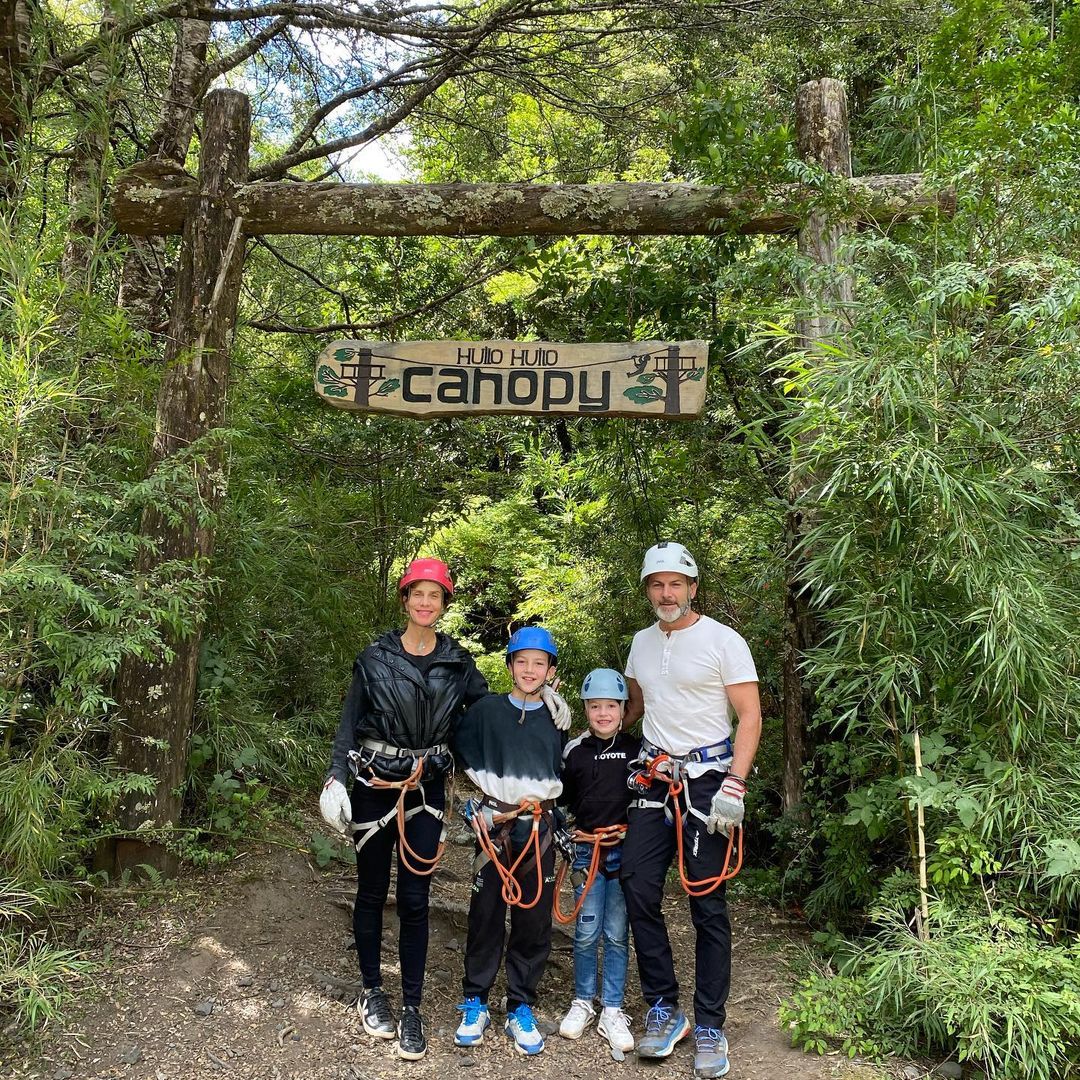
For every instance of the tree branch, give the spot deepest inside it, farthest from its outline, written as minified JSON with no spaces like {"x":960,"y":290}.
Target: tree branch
{"x":324,"y":110}
{"x":244,"y":52}
{"x":274,"y":169}
{"x":313,"y":278}
{"x":391,"y":320}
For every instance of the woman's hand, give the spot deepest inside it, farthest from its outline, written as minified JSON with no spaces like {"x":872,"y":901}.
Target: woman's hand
{"x":335,"y":805}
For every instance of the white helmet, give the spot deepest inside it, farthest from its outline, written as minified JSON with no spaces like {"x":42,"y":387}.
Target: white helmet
{"x":668,"y":558}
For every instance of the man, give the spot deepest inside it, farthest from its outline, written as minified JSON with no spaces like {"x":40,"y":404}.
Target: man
{"x":685,"y":675}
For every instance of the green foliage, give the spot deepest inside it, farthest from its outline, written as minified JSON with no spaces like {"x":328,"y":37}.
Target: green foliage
{"x":326,"y":851}
{"x":823,"y":1014}
{"x":36,"y":979}
{"x":932,"y":446}
{"x":984,"y":987}
{"x":732,"y":137}
{"x":940,"y":466}
{"x":70,"y":608}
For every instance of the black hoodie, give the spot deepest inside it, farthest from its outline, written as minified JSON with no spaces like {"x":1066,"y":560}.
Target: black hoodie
{"x":594,"y":779}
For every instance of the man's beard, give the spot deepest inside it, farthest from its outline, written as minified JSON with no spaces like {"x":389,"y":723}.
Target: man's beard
{"x":666,"y":617}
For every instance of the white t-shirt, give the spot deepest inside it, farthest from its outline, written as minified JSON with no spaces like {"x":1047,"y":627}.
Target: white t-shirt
{"x":683,"y":676}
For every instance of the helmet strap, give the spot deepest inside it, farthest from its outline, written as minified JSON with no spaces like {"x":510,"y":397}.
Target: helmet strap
{"x":525,"y":696}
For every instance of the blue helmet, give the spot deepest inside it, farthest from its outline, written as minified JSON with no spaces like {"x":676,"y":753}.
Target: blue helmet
{"x":532,"y":637}
{"x":604,"y":682}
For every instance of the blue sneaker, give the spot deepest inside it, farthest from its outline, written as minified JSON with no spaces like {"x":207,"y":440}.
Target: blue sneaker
{"x":521,"y":1027}
{"x":664,"y":1027}
{"x":475,"y":1019}
{"x":710,"y":1054}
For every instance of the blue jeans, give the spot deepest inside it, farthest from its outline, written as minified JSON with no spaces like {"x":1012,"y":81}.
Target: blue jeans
{"x":603,"y":915}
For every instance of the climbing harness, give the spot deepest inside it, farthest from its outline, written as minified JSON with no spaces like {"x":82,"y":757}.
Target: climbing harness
{"x":493,"y":821}
{"x":362,"y":766}
{"x":656,"y":765}
{"x":602,"y":839}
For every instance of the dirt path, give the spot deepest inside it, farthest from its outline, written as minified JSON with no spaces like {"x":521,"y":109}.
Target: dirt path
{"x":249,"y":974}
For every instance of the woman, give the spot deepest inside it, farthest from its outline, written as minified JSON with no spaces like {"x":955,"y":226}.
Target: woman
{"x":408,"y":690}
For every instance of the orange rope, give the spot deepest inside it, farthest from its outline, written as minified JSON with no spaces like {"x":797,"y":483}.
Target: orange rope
{"x":409,"y":858}
{"x":511,"y":887}
{"x":606,"y":836}
{"x":708,"y":884}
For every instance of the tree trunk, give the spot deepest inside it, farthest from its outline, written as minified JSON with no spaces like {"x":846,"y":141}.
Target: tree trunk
{"x":821,"y":134}
{"x":86,"y":175}
{"x":155,"y":698}
{"x":14,"y":94}
{"x":144,"y":280}
{"x":144,"y":203}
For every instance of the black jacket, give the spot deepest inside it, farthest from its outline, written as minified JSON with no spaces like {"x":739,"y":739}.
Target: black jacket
{"x":391,"y":701}
{"x":594,"y":776}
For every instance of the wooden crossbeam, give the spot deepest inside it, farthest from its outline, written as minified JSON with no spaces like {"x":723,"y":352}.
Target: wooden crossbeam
{"x":150,"y":202}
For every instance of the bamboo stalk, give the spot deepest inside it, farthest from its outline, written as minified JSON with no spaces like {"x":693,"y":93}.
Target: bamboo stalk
{"x":924,"y":903}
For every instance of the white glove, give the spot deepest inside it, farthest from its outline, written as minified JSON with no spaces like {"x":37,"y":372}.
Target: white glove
{"x":727,"y":805}
{"x":335,"y":805}
{"x":556,"y":703}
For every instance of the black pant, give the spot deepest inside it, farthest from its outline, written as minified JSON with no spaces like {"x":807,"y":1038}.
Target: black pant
{"x":648,"y":851}
{"x":530,"y":930}
{"x":373,"y":884}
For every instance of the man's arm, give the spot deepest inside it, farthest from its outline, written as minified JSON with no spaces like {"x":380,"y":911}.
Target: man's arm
{"x":635,"y":707}
{"x":746,"y":702}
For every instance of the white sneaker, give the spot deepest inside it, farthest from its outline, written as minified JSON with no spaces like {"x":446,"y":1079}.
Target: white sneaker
{"x":615,"y":1027}
{"x":577,"y":1019}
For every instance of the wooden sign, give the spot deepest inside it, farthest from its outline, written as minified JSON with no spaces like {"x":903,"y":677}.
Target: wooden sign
{"x":657,"y":379}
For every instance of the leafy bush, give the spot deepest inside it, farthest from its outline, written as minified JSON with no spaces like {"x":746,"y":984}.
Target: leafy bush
{"x":36,"y":978}
{"x":983,"y":987}
{"x":70,"y":605}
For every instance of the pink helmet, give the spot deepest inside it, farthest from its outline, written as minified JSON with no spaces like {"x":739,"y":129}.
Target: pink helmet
{"x":427,"y":570}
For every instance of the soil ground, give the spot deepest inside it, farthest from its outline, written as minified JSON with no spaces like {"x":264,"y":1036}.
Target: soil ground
{"x":264,"y":951}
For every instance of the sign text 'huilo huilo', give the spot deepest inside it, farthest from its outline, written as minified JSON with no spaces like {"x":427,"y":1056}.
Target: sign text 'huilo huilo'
{"x":656,"y":379}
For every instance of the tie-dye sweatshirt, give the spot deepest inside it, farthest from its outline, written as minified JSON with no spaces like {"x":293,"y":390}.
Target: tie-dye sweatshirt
{"x":509,"y":754}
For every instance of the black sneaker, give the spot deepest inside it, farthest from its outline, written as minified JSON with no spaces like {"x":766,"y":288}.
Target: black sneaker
{"x":411,"y":1045}
{"x":375,"y":1014}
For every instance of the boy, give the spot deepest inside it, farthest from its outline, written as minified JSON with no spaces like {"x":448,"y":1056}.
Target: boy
{"x":512,"y":750}
{"x":594,"y":790}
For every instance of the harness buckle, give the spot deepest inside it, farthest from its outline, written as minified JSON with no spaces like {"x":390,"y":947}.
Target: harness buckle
{"x":716,"y":752}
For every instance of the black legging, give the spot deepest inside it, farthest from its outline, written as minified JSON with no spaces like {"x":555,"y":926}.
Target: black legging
{"x":373,"y":885}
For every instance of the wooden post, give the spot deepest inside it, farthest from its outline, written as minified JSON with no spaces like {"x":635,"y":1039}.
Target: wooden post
{"x":821,"y":135}
{"x":155,"y":697}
